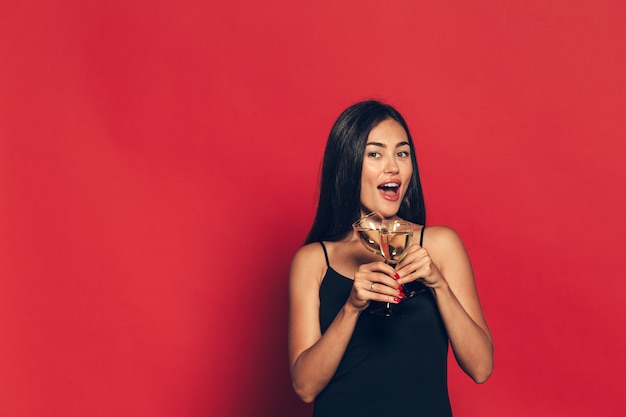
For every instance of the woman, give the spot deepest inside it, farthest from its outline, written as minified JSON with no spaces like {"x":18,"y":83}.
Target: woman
{"x":351,"y":362}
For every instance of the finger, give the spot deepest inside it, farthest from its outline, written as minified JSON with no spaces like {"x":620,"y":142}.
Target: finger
{"x":415,"y":255}
{"x":380,"y":267}
{"x":420,"y":273}
{"x":382,"y":298}
{"x":378,"y":290}
{"x":416,"y":269}
{"x":384,"y":277}
{"x":380,"y":293}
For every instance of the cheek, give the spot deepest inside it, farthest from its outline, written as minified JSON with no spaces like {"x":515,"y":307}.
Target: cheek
{"x":407,"y":172}
{"x":369,"y":173}
{"x":368,"y":180}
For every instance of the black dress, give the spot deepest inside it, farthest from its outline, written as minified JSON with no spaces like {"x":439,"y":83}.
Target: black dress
{"x":393,"y":366}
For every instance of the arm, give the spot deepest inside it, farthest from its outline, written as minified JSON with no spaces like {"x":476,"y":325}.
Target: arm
{"x":313,"y":357}
{"x":446,"y":269}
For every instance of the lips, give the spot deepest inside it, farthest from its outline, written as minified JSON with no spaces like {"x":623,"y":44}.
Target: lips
{"x":390,"y":189}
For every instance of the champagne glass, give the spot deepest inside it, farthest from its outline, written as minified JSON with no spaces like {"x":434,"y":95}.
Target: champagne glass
{"x":395,"y":240}
{"x":389,"y":238}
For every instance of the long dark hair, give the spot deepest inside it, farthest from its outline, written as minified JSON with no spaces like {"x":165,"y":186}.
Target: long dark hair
{"x":340,"y":184}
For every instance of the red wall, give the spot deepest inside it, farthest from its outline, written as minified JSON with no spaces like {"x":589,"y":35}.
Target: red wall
{"x":158,"y":170}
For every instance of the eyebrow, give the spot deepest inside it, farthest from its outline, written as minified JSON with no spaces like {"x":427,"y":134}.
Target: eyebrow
{"x":382,"y":145}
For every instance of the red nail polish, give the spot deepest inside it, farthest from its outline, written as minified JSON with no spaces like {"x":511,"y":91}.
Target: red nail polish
{"x":396,"y":276}
{"x":396,"y":299}
{"x":402,"y":295}
{"x":400,"y":288}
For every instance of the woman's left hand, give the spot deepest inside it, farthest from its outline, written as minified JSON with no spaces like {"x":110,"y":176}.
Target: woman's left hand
{"x":418,"y":265}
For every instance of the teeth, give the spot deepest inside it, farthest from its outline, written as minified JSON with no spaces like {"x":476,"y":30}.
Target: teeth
{"x":390,"y":185}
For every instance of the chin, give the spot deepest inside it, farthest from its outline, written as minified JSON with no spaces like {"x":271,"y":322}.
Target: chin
{"x":389,"y":212}
{"x":385,"y":210}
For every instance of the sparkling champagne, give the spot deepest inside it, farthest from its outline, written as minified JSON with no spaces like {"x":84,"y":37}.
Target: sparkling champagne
{"x":394,"y":245}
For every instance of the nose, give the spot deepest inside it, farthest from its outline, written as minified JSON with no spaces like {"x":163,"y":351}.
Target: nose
{"x":391,"y":166}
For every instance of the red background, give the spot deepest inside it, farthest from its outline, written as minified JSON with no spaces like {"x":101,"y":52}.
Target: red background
{"x":158,"y":169}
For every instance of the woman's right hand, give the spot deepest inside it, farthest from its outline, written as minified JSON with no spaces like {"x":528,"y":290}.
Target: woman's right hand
{"x":374,"y":282}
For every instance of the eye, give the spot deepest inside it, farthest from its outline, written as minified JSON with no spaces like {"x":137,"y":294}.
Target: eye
{"x":374,"y":155}
{"x":403,"y":154}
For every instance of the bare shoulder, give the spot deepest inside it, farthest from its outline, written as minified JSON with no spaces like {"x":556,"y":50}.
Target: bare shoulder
{"x":308,"y":262}
{"x":310,"y":253}
{"x":441,"y":236}
{"x":444,"y":244}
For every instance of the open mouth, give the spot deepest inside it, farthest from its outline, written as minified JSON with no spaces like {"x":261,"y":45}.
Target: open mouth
{"x":389,"y":188}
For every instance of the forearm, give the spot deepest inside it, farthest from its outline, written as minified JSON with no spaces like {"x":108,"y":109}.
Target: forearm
{"x":472,"y":344}
{"x":315,"y":366}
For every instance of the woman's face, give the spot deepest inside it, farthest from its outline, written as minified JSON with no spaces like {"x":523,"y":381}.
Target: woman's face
{"x":387,"y":169}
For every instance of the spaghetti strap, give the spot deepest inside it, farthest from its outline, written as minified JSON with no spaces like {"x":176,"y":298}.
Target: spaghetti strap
{"x":325,"y":254}
{"x":421,"y":236}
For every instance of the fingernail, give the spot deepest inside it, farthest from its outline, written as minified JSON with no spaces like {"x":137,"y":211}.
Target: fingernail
{"x":400,"y":288}
{"x":396,"y":299}
{"x":396,"y":276}
{"x":402,"y":295}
